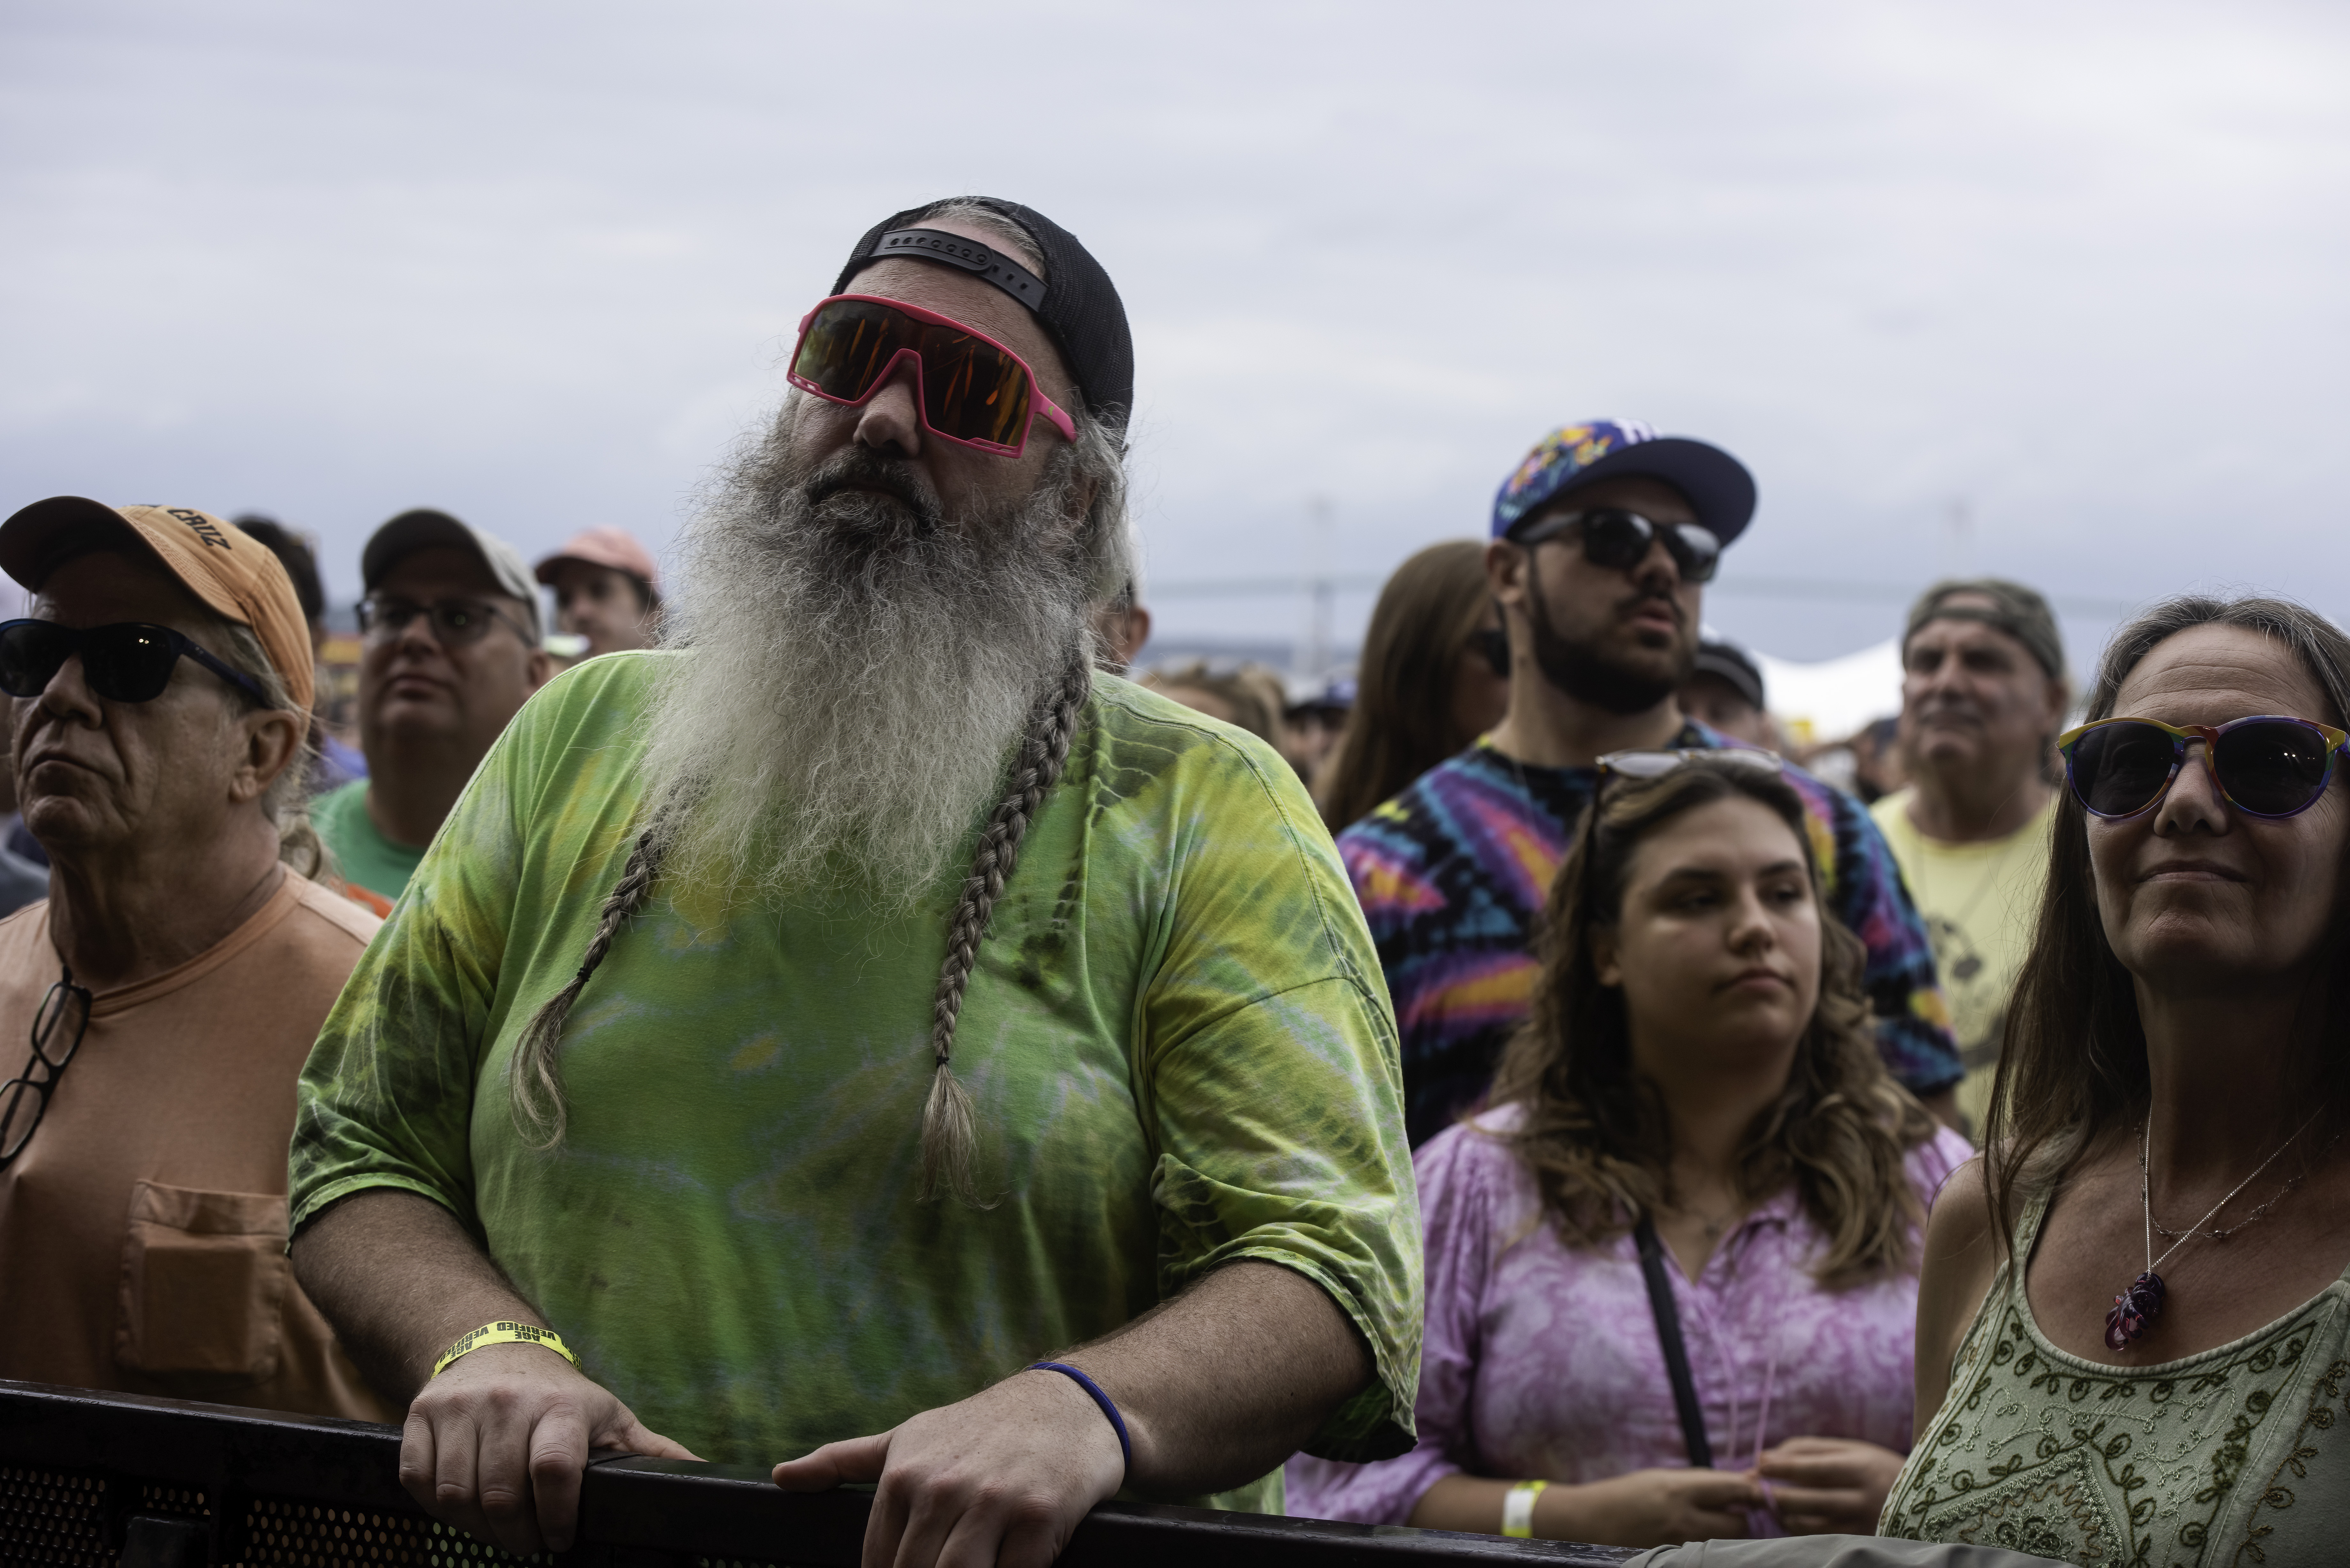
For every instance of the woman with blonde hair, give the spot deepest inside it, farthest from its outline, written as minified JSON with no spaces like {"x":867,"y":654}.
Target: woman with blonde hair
{"x":2134,"y":1330}
{"x":1670,"y":1274}
{"x":1433,"y":676}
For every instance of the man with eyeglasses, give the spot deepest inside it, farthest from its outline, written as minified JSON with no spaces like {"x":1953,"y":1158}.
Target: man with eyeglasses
{"x":861,"y":1035}
{"x":1604,"y":538}
{"x":155,"y":1009}
{"x":450,"y":653}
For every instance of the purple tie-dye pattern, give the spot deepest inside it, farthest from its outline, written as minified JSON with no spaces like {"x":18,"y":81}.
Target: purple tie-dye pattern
{"x":1451,"y":873}
{"x":1539,"y":1360}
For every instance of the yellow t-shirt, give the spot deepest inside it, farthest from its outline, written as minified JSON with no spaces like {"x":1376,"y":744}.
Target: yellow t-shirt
{"x":1980,"y":902}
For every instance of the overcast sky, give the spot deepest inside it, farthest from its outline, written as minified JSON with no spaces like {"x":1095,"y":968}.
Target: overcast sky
{"x":2052,"y":290}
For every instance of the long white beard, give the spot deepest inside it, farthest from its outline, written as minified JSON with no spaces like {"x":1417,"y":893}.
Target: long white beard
{"x":858,"y":669}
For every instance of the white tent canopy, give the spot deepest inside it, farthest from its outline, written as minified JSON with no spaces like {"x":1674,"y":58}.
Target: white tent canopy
{"x":1832,"y":698}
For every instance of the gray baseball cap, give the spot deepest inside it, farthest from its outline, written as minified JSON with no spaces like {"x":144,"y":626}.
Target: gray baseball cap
{"x":424,"y":528}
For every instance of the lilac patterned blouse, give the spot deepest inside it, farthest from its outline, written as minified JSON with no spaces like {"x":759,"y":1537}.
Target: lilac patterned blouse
{"x":1542,"y":1360}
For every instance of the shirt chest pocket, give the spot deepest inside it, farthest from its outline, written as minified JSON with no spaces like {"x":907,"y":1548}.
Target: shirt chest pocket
{"x":204,"y":1279}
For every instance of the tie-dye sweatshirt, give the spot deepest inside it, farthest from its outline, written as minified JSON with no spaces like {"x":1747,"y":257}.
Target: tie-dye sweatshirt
{"x":1176,"y":1040}
{"x":1453,"y":872}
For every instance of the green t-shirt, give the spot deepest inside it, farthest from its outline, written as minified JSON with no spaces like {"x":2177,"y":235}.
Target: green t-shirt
{"x":1177,"y":1040}
{"x":364,"y":854}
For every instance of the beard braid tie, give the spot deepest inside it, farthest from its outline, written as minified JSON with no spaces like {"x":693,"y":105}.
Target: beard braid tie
{"x":950,"y":1128}
{"x":534,"y":1079}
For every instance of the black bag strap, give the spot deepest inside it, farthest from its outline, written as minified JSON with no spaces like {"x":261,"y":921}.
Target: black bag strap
{"x":1669,"y":1334}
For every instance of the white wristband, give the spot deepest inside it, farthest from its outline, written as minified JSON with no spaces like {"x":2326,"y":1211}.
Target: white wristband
{"x":1518,"y":1508}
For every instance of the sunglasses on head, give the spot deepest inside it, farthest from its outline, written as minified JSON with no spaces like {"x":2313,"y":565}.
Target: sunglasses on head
{"x":1657,"y":764}
{"x":129,"y":661}
{"x":1619,"y":539}
{"x":2266,"y":766}
{"x":971,"y":390}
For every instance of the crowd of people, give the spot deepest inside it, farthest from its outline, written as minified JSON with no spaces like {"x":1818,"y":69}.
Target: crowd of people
{"x":820,"y":1013}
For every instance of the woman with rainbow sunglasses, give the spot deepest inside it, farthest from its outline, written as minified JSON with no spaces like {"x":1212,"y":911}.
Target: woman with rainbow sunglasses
{"x":2133,"y":1326}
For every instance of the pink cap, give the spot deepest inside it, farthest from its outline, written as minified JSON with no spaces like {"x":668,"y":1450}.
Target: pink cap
{"x":614,"y":547}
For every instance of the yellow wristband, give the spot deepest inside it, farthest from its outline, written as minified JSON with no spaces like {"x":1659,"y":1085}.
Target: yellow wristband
{"x":1518,"y":1510}
{"x":504,"y":1333}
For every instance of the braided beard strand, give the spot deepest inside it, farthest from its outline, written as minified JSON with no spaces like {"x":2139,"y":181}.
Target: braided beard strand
{"x":861,"y":670}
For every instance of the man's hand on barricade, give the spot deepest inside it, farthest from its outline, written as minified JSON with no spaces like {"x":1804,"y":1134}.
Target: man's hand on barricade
{"x":998,"y":1481}
{"x":496,"y":1445}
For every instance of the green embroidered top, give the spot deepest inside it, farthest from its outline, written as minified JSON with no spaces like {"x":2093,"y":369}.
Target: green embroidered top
{"x":2240,"y":1454}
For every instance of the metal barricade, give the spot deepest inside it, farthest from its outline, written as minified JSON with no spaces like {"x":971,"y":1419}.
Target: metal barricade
{"x":118,"y":1480}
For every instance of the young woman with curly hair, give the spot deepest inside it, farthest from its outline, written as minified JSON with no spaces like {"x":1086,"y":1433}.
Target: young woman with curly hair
{"x":1697,"y":1067}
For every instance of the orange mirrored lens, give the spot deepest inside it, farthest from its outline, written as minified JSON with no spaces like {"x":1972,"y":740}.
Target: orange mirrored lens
{"x":972,"y":391}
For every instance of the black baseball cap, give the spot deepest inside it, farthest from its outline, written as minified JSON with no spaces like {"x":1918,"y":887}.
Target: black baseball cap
{"x":1075,"y":301}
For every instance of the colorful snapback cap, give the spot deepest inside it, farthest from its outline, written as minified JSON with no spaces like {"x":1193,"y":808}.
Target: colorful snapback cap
{"x":1717,"y":486}
{"x":234,"y":574}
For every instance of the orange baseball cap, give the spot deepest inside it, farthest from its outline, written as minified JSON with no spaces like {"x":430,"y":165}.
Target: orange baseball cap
{"x":614,"y":547}
{"x":234,"y":574}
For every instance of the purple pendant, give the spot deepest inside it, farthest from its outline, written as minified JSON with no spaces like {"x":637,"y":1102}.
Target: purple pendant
{"x":2134,"y":1311}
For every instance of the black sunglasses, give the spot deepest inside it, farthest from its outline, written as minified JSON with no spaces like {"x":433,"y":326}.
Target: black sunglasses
{"x":25,"y":1100}
{"x":129,"y":661}
{"x":1620,"y":540}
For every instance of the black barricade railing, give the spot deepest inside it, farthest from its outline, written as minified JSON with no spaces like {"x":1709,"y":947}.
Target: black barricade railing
{"x":116,"y":1480}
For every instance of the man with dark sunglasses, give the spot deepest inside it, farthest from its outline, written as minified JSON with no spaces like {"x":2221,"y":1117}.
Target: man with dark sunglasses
{"x":156,"y":1009}
{"x":1604,"y":538}
{"x":859,"y":1034}
{"x":449,"y":653}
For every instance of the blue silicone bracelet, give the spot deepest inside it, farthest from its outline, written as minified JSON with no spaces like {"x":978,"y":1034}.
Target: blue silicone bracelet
{"x":1125,"y":1445}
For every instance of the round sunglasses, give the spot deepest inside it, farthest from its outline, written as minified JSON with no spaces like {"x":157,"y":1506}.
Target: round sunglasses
{"x":1620,"y":540}
{"x":2267,"y":766}
{"x":128,"y":661}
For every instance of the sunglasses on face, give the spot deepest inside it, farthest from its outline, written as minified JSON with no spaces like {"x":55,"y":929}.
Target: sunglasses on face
{"x":972,"y":391}
{"x":129,"y":661}
{"x":2266,"y":766}
{"x":453,"y":622}
{"x":1620,"y":540}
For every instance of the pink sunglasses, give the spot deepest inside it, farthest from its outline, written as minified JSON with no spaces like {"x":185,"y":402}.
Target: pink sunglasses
{"x":971,"y":389}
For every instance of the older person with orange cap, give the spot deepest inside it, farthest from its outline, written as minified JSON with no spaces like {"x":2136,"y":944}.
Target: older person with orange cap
{"x":167,"y":992}
{"x":607,"y":589}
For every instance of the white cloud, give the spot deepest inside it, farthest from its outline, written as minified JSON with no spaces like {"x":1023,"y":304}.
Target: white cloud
{"x":2076,"y":266}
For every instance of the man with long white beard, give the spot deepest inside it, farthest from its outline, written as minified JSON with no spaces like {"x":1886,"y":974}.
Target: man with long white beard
{"x":865,"y":1030}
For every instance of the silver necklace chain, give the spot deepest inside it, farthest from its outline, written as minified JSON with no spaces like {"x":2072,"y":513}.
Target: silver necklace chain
{"x":2145,"y":1194}
{"x":2257,"y":1215}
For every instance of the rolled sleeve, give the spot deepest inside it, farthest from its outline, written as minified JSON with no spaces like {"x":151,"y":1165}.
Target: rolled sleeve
{"x":1276,"y":1087}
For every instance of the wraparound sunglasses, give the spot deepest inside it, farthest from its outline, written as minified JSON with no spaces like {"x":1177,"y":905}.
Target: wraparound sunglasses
{"x":128,"y":661}
{"x":971,"y":390}
{"x":1619,"y":539}
{"x":2267,"y":766}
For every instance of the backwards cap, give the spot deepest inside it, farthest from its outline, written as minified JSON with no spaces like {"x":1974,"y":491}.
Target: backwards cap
{"x":2014,"y":610}
{"x":237,"y":577}
{"x":1075,"y":301}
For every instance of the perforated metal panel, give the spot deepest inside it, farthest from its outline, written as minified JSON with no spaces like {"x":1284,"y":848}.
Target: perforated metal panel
{"x":53,"y":1516}
{"x":58,"y":1517}
{"x":305,"y":1535}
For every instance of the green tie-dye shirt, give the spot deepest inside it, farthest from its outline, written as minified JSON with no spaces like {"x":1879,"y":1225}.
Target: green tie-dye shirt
{"x":1177,"y":1039}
